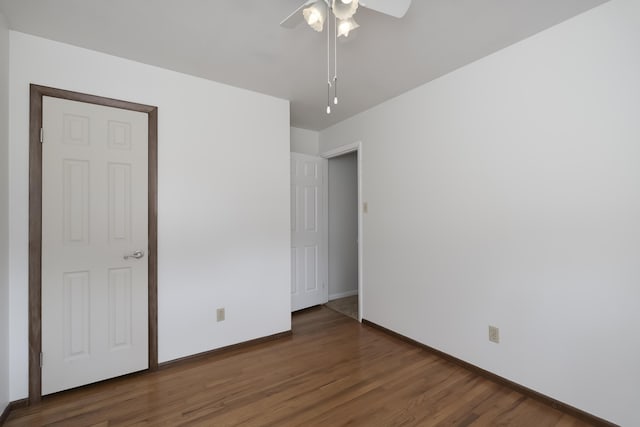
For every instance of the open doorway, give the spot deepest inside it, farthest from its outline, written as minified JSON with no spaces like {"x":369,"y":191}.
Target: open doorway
{"x":343,"y":234}
{"x":311,"y":253}
{"x":344,"y":231}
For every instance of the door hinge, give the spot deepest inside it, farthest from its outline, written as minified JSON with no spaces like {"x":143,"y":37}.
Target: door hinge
{"x":41,"y":359}
{"x":41,"y":136}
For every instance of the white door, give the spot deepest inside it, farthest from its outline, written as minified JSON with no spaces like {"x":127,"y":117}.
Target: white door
{"x":94,"y":213}
{"x":308,"y":231}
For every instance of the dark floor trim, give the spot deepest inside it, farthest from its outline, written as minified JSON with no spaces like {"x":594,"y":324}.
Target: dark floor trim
{"x":5,"y":414}
{"x":578,"y":413}
{"x":234,"y":347}
{"x":22,"y":403}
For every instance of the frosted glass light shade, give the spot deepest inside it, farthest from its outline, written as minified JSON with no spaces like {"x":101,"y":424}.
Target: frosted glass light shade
{"x":344,"y":10}
{"x":345,"y":26}
{"x":315,"y":15}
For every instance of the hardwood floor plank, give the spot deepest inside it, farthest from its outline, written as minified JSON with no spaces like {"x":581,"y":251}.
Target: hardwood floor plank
{"x":331,"y":371}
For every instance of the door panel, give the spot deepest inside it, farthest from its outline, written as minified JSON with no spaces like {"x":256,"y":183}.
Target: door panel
{"x":76,"y":312}
{"x":120,"y":309}
{"x":311,"y":267}
{"x":308,"y":222}
{"x":94,"y":212}
{"x":119,"y":202}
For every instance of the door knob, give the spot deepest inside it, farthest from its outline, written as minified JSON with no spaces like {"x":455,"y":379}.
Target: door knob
{"x":137,"y":255}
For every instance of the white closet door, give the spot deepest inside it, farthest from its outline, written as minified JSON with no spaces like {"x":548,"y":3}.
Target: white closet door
{"x":94,"y":213}
{"x":308,"y":231}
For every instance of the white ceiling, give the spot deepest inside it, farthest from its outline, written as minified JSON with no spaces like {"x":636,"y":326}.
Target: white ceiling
{"x":240,"y":42}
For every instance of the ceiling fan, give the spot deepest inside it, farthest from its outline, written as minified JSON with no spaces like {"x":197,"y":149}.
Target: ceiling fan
{"x":395,"y":8}
{"x":316,"y":12}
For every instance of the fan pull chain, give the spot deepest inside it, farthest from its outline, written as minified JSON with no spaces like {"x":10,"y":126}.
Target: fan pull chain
{"x":335,"y":60}
{"x":328,"y":67}
{"x":335,"y":90}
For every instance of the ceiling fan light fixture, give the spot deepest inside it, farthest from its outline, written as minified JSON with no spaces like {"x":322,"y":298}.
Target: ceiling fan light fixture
{"x":315,"y":15}
{"x":344,"y":10}
{"x":316,"y":12}
{"x":345,"y":26}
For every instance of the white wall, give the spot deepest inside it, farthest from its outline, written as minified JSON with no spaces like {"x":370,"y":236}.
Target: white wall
{"x":343,"y":225}
{"x":4,"y":214}
{"x":304,"y":141}
{"x":508,"y":193}
{"x":223,"y":197}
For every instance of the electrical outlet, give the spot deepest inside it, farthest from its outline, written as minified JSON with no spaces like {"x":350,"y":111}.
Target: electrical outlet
{"x":220,"y":314}
{"x":494,"y":334}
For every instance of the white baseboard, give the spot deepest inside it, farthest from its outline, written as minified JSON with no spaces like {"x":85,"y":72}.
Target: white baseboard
{"x":343,"y":294}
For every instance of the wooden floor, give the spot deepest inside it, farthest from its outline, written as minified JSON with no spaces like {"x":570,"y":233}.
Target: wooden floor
{"x":331,"y":372}
{"x":347,"y":306}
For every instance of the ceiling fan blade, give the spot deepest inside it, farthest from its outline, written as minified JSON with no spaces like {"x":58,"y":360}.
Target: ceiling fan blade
{"x":396,"y":8}
{"x":296,"y":17}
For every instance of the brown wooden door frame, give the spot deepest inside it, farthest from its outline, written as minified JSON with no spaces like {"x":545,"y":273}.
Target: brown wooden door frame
{"x":35,"y":224}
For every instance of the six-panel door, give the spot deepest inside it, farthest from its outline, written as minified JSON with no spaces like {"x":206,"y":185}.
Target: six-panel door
{"x":94,"y":213}
{"x":308,"y":231}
